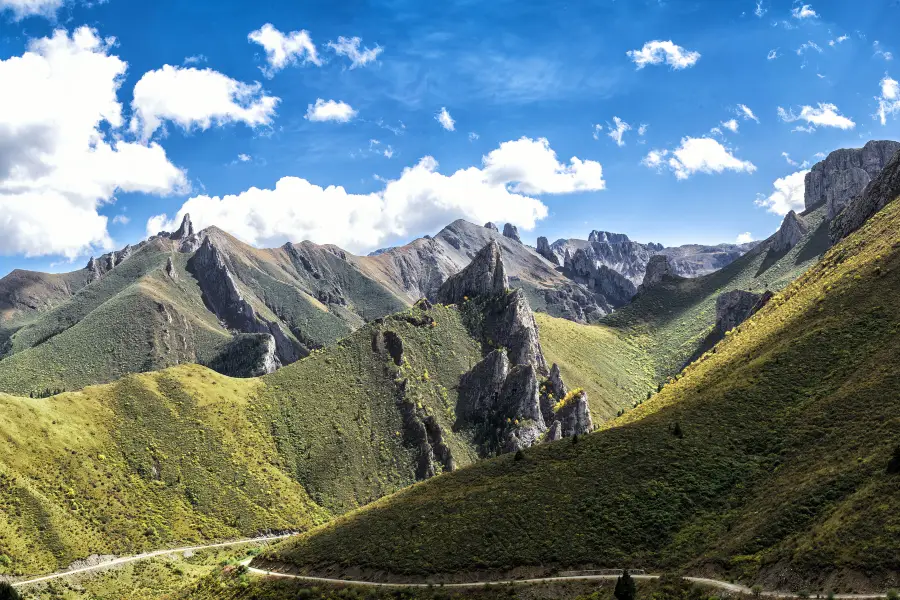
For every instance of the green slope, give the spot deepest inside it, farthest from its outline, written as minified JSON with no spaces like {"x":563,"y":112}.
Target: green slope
{"x":186,"y":454}
{"x":776,"y":471}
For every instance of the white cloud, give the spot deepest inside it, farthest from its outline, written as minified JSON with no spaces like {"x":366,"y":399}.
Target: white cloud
{"x":121,"y":220}
{"x":731,"y":125}
{"x":804,"y":11}
{"x":788,"y":194}
{"x":284,"y":50}
{"x":794,"y":163}
{"x":244,"y":157}
{"x":716,"y":131}
{"x":200,"y":98}
{"x":62,"y":149}
{"x":642,"y":130}
{"x":473,"y":136}
{"x":658,"y":52}
{"x":446,"y":121}
{"x":330,"y":110}
{"x":597,"y":129}
{"x":388,"y":151}
{"x":889,"y":101}
{"x":879,"y":51}
{"x":760,"y":11}
{"x":617,"y":131}
{"x":195,"y":60}
{"x":838,"y":40}
{"x":349,"y":47}
{"x":698,"y":155}
{"x":744,"y":238}
{"x":810,"y":45}
{"x":773,"y":54}
{"x":825,"y":115}
{"x":27,"y":8}
{"x":420,"y":200}
{"x":744,"y":111}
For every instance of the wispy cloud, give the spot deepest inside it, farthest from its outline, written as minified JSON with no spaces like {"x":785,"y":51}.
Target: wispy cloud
{"x":443,"y":117}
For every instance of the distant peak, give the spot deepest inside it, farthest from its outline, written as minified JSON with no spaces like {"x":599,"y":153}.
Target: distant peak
{"x":608,"y":237}
{"x":186,"y":230}
{"x":512,"y":232}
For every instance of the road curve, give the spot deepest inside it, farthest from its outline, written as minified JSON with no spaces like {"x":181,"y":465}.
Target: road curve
{"x":145,"y":556}
{"x":724,"y":585}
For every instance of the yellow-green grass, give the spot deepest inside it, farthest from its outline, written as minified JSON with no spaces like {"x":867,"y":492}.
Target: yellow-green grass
{"x":186,"y":454}
{"x":766,"y":462}
{"x":600,"y":359}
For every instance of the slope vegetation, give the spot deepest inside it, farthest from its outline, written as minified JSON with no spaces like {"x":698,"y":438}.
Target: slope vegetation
{"x":767,"y":461}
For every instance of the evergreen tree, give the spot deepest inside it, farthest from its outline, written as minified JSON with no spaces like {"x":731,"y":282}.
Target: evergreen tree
{"x":625,"y":588}
{"x":8,"y":592}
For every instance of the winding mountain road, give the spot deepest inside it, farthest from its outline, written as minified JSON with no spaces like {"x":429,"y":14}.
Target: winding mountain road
{"x":715,"y":583}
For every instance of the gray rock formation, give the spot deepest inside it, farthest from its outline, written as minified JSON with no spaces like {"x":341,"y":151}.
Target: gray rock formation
{"x":883,"y":189}
{"x":606,"y":237}
{"x":248,"y":355}
{"x":512,"y":232}
{"x":845,"y":173}
{"x":185,"y":230}
{"x":509,"y":322}
{"x":576,"y":303}
{"x":479,"y":389}
{"x":485,"y":276}
{"x":170,"y":270}
{"x":491,"y":226}
{"x":658,"y":269}
{"x":585,"y":269}
{"x":543,"y":248}
{"x":519,"y":403}
{"x":574,"y":416}
{"x":224,"y":298}
{"x":792,"y":230}
{"x":733,"y":308}
{"x":424,"y":434}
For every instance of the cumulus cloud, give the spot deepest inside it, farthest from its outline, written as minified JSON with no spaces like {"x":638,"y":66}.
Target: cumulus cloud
{"x":658,"y":52}
{"x":824,"y":115}
{"x":787,"y":196}
{"x":329,"y":110}
{"x":197,"y":98}
{"x":804,"y":11}
{"x":283,"y":50}
{"x":420,"y":200}
{"x":744,"y":238}
{"x":889,"y":101}
{"x":617,"y":130}
{"x":349,"y":47}
{"x":731,"y":125}
{"x":697,"y":155}
{"x":443,"y":117}
{"x":121,"y":220}
{"x":62,"y":148}
{"x":28,"y":8}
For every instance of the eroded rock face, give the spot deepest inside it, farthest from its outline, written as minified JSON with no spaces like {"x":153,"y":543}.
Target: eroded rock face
{"x":883,"y":189}
{"x":575,"y":303}
{"x":512,"y":232}
{"x":170,"y":269}
{"x":574,"y":417}
{"x":224,"y":298}
{"x":657,"y":269}
{"x":845,"y":173}
{"x":584,"y":268}
{"x":248,"y":355}
{"x":509,"y":322}
{"x":479,"y":389}
{"x":792,"y":230}
{"x":735,"y":307}
{"x":543,"y":248}
{"x":491,"y":226}
{"x":484,"y":276}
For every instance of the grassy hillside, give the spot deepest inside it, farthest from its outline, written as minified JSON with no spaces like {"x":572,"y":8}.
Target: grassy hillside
{"x":186,"y":454}
{"x":766,"y":462}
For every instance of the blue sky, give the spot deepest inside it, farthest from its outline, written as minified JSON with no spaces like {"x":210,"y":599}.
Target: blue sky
{"x":502,"y":70}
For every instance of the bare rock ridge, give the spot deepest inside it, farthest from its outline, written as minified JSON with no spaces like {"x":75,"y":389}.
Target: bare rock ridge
{"x":500,"y":398}
{"x":883,"y":188}
{"x":225,"y":300}
{"x":735,"y":307}
{"x":599,"y":278}
{"x":658,"y":269}
{"x":792,"y":230}
{"x":512,"y":232}
{"x":845,"y":173}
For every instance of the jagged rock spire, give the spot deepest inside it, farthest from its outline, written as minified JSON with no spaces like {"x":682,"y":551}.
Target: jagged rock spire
{"x":484,"y":276}
{"x":792,"y":230}
{"x":544,"y":249}
{"x":491,"y":226}
{"x":186,"y":230}
{"x":512,"y":232}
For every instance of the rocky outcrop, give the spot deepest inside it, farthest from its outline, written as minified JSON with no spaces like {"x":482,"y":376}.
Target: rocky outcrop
{"x":509,"y":322}
{"x":185,"y":230}
{"x":573,"y":416}
{"x":606,"y":237}
{"x":543,"y":248}
{"x":479,"y":389}
{"x":484,"y":276}
{"x":735,"y":307}
{"x":883,"y":189}
{"x":189,"y":241}
{"x":519,"y":407}
{"x":845,"y":173}
{"x":512,"y":232}
{"x":224,"y":298}
{"x":491,"y":226}
{"x":170,"y":269}
{"x":576,"y":303}
{"x":658,"y":269}
{"x":422,"y":432}
{"x":792,"y":230}
{"x":248,"y":355}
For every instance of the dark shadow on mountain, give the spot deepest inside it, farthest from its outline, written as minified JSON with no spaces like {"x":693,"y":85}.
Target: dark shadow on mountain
{"x":816,"y":245}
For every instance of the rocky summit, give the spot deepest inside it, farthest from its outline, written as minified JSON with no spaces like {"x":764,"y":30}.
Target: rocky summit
{"x":792,"y":230}
{"x":845,"y":173}
{"x":658,"y":269}
{"x":883,"y":189}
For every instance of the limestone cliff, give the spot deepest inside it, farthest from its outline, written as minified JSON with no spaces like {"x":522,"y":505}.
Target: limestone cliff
{"x":792,"y":230}
{"x":883,"y":188}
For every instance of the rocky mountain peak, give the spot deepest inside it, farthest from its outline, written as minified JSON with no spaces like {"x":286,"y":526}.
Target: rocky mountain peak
{"x":544,"y":249}
{"x":607,"y":237}
{"x":484,"y":276}
{"x":186,"y":229}
{"x":491,"y":226}
{"x":512,"y":232}
{"x":792,"y":230}
{"x":845,"y":173}
{"x":883,"y":188}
